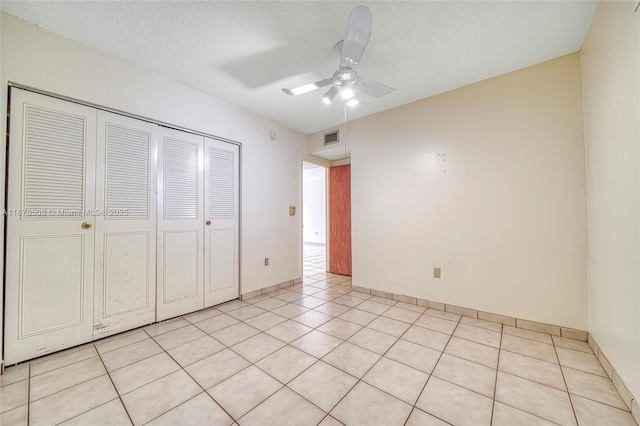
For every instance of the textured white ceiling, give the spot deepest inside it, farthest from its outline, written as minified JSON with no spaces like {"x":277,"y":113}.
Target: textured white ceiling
{"x":245,"y":52}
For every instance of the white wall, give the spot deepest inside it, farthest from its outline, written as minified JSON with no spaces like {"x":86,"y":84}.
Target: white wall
{"x":315,"y":205}
{"x":503,"y":216}
{"x":270,"y":175}
{"x":611,"y":70}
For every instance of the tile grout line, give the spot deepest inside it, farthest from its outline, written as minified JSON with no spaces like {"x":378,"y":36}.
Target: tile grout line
{"x":532,"y":357}
{"x":523,"y":378}
{"x":431,"y":374}
{"x":495,"y":384}
{"x":267,"y":373}
{"x":358,"y":380}
{"x":554,"y":388}
{"x":62,"y":366}
{"x":29,"y":395}
{"x":573,"y":409}
{"x":562,"y":371}
{"x":284,"y":385}
{"x":562,"y":367}
{"x":398,"y":338}
{"x":114,"y":386}
{"x":68,"y":387}
{"x":532,"y":340}
{"x":136,"y":362}
{"x":190,"y":399}
{"x":192,"y":378}
{"x":345,"y":395}
{"x":133,"y":363}
{"x":91,"y":409}
{"x":366,"y":326}
{"x":141,"y":329}
{"x":238,"y":372}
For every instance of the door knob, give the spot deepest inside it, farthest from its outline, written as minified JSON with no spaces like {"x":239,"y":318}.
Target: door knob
{"x":208,"y":222}
{"x":86,"y":225}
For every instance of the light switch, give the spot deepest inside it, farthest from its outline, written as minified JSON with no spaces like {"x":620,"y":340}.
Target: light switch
{"x":292,"y":210}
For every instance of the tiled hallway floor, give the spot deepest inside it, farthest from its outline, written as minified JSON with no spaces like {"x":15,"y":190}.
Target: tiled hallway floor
{"x":316,"y":353}
{"x":314,"y":259}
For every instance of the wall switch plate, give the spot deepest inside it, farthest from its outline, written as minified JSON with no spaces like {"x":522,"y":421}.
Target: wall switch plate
{"x":266,"y":261}
{"x":436,"y":272}
{"x":292,"y":210}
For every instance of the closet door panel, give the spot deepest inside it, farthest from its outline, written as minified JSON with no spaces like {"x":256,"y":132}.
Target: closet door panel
{"x":61,"y":280}
{"x":125,"y":290}
{"x":181,"y":266}
{"x":222,"y":246}
{"x":180,"y":224}
{"x":221,"y":225}
{"x":127,"y":287}
{"x":50,"y":239}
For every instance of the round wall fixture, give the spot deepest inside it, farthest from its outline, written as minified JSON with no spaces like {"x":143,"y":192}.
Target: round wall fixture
{"x":272,"y":134}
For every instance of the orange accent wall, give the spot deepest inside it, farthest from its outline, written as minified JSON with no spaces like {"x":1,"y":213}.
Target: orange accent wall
{"x":340,"y":219}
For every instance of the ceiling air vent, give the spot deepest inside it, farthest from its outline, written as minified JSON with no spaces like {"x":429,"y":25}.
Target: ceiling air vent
{"x":331,"y":138}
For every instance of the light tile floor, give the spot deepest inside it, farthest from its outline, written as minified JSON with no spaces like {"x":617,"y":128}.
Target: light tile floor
{"x":316,"y":353}
{"x":314,"y":259}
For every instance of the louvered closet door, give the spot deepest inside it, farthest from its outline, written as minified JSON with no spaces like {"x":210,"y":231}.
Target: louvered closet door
{"x":180,"y":224}
{"x":125,"y":279}
{"x":221,"y":225}
{"x":49,"y":274}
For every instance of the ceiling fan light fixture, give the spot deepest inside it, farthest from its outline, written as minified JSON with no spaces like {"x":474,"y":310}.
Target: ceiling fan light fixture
{"x":347,"y":93}
{"x":330,"y":95}
{"x":353,"y":102}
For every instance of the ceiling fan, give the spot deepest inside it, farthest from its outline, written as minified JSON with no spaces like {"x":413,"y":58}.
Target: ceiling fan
{"x":345,"y":80}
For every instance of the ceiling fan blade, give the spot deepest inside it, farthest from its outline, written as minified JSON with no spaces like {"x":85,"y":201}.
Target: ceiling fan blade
{"x":307,"y":87}
{"x":372,"y":87}
{"x":356,"y":38}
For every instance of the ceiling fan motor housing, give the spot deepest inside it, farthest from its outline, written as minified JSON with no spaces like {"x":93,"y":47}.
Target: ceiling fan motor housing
{"x":344,"y":76}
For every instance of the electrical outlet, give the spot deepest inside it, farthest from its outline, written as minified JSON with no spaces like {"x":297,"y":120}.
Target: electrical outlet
{"x":436,"y":272}
{"x":266,"y":261}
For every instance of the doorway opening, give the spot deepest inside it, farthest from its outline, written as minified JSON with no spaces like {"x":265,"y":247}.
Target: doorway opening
{"x":314,"y":219}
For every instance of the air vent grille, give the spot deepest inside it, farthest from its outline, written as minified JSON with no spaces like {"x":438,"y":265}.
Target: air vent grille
{"x":331,"y":138}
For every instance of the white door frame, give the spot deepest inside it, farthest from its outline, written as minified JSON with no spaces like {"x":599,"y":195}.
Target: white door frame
{"x":321,"y":162}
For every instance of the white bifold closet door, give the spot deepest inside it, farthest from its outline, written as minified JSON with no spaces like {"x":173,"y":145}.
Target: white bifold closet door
{"x":50,"y":236}
{"x":180,"y":224}
{"x":125,"y":268}
{"x":221,"y":226}
{"x":198,"y":196}
{"x":113,"y":223}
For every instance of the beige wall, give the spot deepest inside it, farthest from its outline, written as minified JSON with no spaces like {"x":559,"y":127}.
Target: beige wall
{"x":503,"y":216}
{"x":611,"y":75}
{"x":271,"y":172}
